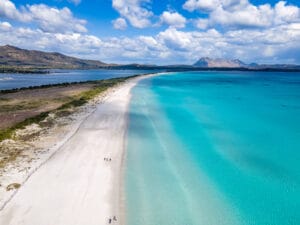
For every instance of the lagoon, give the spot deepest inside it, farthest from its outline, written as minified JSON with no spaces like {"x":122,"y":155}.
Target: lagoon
{"x":11,"y":81}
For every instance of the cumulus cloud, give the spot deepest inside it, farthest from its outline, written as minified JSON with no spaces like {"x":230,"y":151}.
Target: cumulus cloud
{"x":168,"y":46}
{"x":56,"y":20}
{"x":47,"y":18}
{"x":201,"y":23}
{"x":69,"y":43}
{"x":174,"y":39}
{"x":173,"y":19}
{"x":286,"y":13}
{"x":134,"y":12}
{"x":120,"y":24}
{"x":248,"y":16}
{"x":9,"y":10}
{"x":241,"y":13}
{"x":274,"y":35}
{"x":5,"y":26}
{"x":204,"y":5}
{"x":76,"y":2}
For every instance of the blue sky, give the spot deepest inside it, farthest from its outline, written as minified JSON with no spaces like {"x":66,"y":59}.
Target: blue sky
{"x":156,"y":31}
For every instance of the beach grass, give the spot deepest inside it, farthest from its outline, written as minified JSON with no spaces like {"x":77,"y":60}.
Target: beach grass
{"x":28,"y":101}
{"x":70,"y":102}
{"x":8,"y":133}
{"x":13,"y":186}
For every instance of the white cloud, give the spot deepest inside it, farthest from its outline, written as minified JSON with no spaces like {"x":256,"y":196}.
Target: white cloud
{"x":5,"y":26}
{"x":9,"y":10}
{"x":150,"y":42}
{"x":56,"y":20}
{"x":134,"y":12}
{"x":47,"y":18}
{"x":69,"y":43}
{"x":241,"y":13}
{"x":278,"y":44}
{"x":176,"y":40}
{"x":120,"y":24}
{"x":286,"y":13}
{"x":201,"y":23}
{"x":249,"y":16}
{"x":204,"y":5}
{"x":76,"y":2}
{"x":173,"y":19}
{"x":210,"y":5}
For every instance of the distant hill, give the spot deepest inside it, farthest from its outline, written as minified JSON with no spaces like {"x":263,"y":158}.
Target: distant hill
{"x":17,"y":60}
{"x":225,"y":64}
{"x":275,"y":66}
{"x":13,"y":56}
{"x":219,"y":63}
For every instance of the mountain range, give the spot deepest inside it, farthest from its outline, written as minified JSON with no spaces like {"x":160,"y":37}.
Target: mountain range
{"x":17,"y":58}
{"x":206,"y":62}
{"x":13,"y":56}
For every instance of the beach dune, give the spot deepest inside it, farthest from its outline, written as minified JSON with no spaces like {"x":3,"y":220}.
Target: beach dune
{"x":80,"y":183}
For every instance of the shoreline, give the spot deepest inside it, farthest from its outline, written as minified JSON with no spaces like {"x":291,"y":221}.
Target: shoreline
{"x":121,"y":95}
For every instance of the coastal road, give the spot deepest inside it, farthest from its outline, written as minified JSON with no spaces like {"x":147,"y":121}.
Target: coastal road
{"x":77,"y":186}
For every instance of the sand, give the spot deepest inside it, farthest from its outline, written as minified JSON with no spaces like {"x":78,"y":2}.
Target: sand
{"x":77,"y":185}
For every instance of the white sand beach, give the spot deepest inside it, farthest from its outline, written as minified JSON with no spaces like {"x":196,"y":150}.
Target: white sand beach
{"x":80,"y":183}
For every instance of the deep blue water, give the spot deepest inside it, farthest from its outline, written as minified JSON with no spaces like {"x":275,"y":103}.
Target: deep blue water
{"x":214,"y":148}
{"x":10,"y":81}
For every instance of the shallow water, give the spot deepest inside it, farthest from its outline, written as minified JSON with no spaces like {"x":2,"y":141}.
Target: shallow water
{"x":11,"y":81}
{"x":214,"y":148}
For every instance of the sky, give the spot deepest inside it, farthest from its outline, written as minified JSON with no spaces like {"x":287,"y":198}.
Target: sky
{"x":156,"y":31}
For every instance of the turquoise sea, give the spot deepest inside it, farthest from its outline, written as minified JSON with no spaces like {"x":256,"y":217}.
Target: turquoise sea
{"x":214,"y":148}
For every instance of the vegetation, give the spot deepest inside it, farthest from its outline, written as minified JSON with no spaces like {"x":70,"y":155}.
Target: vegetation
{"x":8,"y":133}
{"x":64,"y":106}
{"x":19,"y":69}
{"x":20,"y":106}
{"x":97,"y":83}
{"x":84,"y":97}
{"x":73,"y":102}
{"x":13,"y":186}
